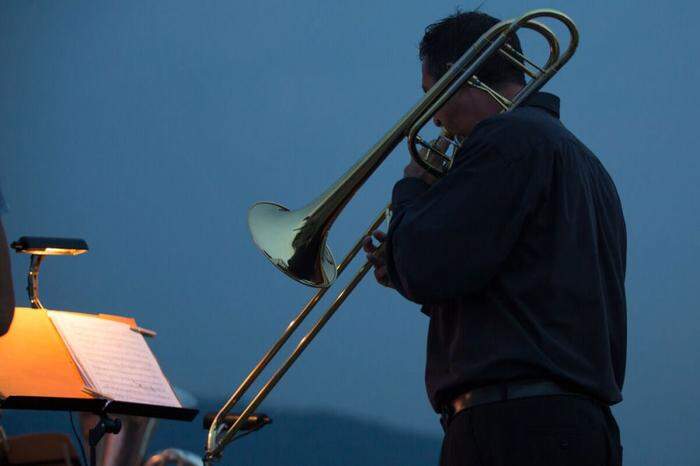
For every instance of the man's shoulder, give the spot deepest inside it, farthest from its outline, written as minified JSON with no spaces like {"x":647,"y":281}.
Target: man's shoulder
{"x":524,"y":125}
{"x":533,"y":133}
{"x":516,"y":134}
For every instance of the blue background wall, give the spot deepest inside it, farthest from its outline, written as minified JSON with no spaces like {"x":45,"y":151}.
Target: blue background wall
{"x":149,"y":128}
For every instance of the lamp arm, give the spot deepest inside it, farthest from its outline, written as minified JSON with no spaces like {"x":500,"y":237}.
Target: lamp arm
{"x":33,"y":281}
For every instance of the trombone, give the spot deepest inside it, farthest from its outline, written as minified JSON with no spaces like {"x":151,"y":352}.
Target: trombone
{"x":295,"y":240}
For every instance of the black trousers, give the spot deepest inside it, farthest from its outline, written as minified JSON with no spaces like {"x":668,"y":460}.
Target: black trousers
{"x":544,"y":431}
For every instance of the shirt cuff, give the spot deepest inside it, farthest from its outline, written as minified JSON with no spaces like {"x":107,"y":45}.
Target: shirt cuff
{"x":407,"y":189}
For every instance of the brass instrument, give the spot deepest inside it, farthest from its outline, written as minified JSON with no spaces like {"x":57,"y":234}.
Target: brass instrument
{"x":295,"y":241}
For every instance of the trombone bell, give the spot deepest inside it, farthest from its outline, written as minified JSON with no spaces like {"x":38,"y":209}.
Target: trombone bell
{"x":294,"y":241}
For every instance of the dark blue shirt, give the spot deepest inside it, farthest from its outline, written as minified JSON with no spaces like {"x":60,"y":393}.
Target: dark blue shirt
{"x":518,"y":257}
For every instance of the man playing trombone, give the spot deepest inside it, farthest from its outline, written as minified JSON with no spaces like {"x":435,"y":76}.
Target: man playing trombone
{"x":518,"y":257}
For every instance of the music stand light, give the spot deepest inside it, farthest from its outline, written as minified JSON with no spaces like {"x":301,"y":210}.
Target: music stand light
{"x":38,"y":247}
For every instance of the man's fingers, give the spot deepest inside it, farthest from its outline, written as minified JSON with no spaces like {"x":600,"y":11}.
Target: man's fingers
{"x":367,"y":244}
{"x":382,"y":277}
{"x":375,"y":261}
{"x":375,"y":256}
{"x":380,"y":274}
{"x":379,"y":235}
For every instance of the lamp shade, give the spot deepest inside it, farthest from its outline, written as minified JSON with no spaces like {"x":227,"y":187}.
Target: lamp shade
{"x":44,"y":246}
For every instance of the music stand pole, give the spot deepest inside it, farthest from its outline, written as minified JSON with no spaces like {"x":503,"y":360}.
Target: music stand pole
{"x":105,"y":425}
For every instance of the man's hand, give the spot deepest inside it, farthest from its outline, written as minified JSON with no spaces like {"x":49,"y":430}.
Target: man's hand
{"x":376,"y":255}
{"x":413,"y":170}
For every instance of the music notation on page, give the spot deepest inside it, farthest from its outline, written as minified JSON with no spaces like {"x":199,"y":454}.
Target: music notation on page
{"x":113,"y":360}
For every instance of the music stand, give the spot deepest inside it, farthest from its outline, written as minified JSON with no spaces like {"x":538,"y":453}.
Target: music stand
{"x":37,"y":372}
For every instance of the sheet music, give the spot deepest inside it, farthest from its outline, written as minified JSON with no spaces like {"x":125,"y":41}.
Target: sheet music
{"x":113,"y":359}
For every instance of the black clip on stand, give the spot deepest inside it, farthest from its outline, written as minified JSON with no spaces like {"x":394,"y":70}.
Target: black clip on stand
{"x":106,"y":425}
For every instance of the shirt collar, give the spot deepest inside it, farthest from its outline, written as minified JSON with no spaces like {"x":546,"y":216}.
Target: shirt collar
{"x":544,"y":100}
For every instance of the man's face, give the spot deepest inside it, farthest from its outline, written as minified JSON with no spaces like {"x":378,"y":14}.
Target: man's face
{"x":463,"y":111}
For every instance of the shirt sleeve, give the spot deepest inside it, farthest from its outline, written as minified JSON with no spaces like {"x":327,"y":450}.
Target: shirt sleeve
{"x":451,"y":238}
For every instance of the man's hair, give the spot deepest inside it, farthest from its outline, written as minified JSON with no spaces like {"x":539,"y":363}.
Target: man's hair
{"x":446,"y":40}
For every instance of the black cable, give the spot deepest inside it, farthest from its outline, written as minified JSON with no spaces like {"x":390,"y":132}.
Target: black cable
{"x":77,"y":438}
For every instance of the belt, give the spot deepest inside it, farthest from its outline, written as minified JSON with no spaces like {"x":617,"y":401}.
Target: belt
{"x":502,"y":392}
